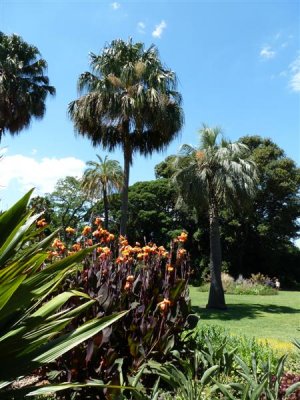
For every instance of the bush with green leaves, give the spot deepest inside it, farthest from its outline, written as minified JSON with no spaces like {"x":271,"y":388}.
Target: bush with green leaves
{"x":34,"y":315}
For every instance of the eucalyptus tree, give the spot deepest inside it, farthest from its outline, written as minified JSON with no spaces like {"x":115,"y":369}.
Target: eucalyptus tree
{"x":129,"y":100}
{"x":24,"y":86}
{"x":217,"y":173}
{"x":101,"y":179}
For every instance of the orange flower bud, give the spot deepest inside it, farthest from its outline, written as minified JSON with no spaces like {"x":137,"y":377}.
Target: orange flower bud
{"x":164,"y":305}
{"x":41,"y":223}
{"x":86,"y":230}
{"x":130,"y":278}
{"x":70,"y":230}
{"x":98,"y":221}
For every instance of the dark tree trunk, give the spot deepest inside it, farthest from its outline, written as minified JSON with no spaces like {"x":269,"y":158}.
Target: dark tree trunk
{"x":216,"y":297}
{"x":105,"y":204}
{"x":124,"y":194}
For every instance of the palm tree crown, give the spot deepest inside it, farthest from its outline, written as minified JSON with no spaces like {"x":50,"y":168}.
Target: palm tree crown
{"x":23,"y":85}
{"x":128,"y":100}
{"x":217,"y":173}
{"x":102,"y":178}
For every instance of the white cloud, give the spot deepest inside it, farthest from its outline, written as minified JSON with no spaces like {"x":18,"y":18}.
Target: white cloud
{"x":115,"y":5}
{"x":141,"y":27}
{"x":42,"y":175}
{"x":294,"y":68}
{"x":267,"y":53}
{"x":159,"y":29}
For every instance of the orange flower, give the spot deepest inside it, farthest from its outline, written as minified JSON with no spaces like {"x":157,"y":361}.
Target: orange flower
{"x":52,"y":254}
{"x":181,"y":253}
{"x":89,"y":242}
{"x":146,"y":249}
{"x":70,"y":230}
{"x":111,"y":237}
{"x":86,"y":230}
{"x":99,"y":250}
{"x":41,"y":223}
{"x":57,"y":243}
{"x":183,"y":237}
{"x":169,"y":268}
{"x":128,"y":285}
{"x":96,"y":233}
{"x":130,"y":278}
{"x":76,"y":247}
{"x":98,"y":221}
{"x":164,"y":305}
{"x":106,"y":250}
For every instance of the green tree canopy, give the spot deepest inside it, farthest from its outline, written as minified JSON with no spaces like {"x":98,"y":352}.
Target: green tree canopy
{"x":129,"y":100}
{"x":69,"y":203}
{"x":24,"y":86}
{"x":260,"y":239}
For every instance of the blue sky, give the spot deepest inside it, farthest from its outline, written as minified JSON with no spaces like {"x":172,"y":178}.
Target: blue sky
{"x":238,"y":65}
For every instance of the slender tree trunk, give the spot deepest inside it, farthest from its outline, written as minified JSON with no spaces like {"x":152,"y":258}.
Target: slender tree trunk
{"x":124,"y":194}
{"x":216,"y":297}
{"x":105,"y":204}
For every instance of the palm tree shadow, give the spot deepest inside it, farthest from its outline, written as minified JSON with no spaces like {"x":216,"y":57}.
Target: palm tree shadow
{"x":241,"y":311}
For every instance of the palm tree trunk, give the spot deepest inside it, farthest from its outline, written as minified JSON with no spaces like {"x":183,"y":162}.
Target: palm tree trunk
{"x":124,"y":194}
{"x":216,"y":297}
{"x":105,"y":204}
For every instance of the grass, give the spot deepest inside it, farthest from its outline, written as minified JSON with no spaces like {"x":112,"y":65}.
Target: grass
{"x":276,"y":318}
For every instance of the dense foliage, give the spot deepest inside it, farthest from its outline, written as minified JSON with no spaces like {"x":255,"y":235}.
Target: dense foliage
{"x":24,"y":86}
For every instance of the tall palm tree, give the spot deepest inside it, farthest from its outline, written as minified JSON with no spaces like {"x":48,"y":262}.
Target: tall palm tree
{"x":23,"y":85}
{"x":129,"y":100}
{"x":101,"y":179}
{"x":217,"y":173}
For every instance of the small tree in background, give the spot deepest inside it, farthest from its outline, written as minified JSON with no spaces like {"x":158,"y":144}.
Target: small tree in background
{"x":102,"y":179}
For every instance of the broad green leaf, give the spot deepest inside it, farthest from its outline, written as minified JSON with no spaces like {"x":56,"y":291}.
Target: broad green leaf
{"x":47,"y":390}
{"x":7,"y":290}
{"x":10,"y":218}
{"x":66,"y":342}
{"x":291,"y":389}
{"x":207,"y":374}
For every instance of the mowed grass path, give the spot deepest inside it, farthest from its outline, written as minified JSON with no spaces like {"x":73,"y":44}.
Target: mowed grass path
{"x":275,"y":317}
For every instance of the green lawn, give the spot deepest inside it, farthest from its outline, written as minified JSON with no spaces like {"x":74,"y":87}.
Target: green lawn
{"x":275,"y":317}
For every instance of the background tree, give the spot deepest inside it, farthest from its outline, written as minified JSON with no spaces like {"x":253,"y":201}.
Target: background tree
{"x":218,"y":173}
{"x":260,"y":239}
{"x":101,"y":180}
{"x":69,"y":203}
{"x":23,"y":85}
{"x":129,"y":100}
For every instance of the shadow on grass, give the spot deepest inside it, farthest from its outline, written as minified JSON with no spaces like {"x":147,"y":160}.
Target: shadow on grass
{"x":240,"y":311}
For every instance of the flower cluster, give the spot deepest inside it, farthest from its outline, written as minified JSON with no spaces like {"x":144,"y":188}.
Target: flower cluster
{"x":146,"y":279}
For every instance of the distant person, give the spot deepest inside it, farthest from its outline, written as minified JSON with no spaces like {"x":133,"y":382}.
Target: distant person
{"x":277,"y":284}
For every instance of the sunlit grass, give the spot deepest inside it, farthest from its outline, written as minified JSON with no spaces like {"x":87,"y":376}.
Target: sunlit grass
{"x":275,"y":318}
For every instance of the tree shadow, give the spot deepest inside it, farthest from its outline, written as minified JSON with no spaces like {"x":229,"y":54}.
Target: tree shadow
{"x":241,"y":311}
